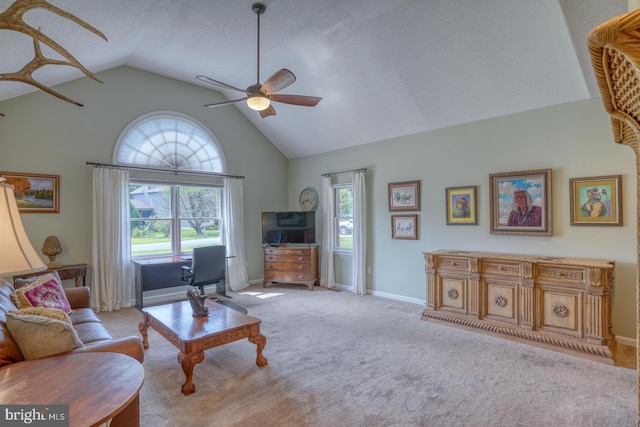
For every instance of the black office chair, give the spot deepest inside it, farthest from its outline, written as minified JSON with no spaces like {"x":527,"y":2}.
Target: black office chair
{"x":208,"y":267}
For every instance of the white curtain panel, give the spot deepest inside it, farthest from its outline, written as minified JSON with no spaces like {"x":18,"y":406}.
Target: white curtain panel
{"x":327,"y":273}
{"x":234,"y":233}
{"x":112,"y":284}
{"x":359,"y":234}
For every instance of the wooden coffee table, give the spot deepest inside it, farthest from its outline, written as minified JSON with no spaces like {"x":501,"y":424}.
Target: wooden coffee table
{"x":96,"y":386}
{"x":192,"y":335}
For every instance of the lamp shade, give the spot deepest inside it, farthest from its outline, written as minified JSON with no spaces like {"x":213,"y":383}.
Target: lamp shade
{"x":17,"y":256}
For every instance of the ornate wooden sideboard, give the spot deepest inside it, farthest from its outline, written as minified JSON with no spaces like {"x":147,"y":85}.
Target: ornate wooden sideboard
{"x":291,"y":264}
{"x":558,"y":303}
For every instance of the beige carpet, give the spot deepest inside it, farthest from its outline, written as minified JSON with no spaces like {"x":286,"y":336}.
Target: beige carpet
{"x":336,"y":359}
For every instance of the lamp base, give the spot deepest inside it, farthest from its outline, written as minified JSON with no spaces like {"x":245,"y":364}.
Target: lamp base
{"x":54,"y":264}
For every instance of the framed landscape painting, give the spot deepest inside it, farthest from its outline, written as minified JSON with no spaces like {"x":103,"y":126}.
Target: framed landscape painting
{"x":404,"y":227}
{"x":520,"y":203}
{"x":35,"y":193}
{"x":461,"y":205}
{"x":404,"y":196}
{"x":596,"y":200}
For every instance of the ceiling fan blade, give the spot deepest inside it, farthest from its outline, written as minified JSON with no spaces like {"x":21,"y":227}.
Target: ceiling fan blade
{"x":219,"y":104}
{"x":269,"y":111}
{"x":278,"y":81}
{"x":217,"y":83}
{"x":304,"y":101}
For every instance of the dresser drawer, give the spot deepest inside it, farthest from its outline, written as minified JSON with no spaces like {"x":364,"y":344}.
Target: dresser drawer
{"x":287,"y":276}
{"x":288,"y":258}
{"x":285,"y":266}
{"x":287,"y":251}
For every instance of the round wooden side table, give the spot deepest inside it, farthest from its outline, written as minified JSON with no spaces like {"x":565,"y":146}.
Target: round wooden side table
{"x":96,"y":386}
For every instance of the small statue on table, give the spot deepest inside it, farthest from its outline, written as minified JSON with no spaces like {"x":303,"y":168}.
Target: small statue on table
{"x":197,"y":303}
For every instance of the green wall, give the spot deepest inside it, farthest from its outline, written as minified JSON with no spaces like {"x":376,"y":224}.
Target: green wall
{"x":42,"y":134}
{"x":573,"y":139}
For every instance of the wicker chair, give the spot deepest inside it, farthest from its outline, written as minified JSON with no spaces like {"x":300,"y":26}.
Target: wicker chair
{"x":615,"y":55}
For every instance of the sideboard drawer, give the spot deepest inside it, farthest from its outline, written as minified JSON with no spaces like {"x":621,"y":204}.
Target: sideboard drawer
{"x":502,"y":267}
{"x":561,"y":273}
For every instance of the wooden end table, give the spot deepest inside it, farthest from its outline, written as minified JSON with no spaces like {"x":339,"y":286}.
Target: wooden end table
{"x":192,"y":335}
{"x":66,"y":272}
{"x":96,"y":386}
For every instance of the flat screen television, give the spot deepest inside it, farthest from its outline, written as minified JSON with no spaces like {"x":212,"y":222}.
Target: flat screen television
{"x":279,"y":228}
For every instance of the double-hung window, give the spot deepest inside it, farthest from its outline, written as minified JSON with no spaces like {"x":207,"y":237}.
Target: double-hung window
{"x":343,"y":239}
{"x":173,"y":219}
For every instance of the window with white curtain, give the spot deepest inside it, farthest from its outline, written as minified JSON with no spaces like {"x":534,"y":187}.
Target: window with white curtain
{"x":343,"y":240}
{"x":171,"y":217}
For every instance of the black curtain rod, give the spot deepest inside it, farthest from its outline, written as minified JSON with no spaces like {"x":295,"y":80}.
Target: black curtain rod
{"x":337,"y":173}
{"x":174,"y":171}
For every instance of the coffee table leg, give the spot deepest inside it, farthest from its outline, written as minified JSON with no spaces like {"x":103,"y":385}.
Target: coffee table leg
{"x":188,"y":361}
{"x":260,"y":341}
{"x":143,"y":327}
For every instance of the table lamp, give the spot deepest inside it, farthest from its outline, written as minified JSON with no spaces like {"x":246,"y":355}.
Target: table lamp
{"x":17,"y":256}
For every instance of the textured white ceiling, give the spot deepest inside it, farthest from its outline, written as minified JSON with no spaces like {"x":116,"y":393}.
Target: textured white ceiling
{"x":384,"y":68}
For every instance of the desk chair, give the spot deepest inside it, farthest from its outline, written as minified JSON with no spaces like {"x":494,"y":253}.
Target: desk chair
{"x":208,"y":267}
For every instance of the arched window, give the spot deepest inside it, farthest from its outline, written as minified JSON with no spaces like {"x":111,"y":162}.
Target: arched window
{"x":169,"y":140}
{"x":172,"y":215}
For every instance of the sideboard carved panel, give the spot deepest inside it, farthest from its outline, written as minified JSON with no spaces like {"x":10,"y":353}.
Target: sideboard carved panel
{"x":558,"y":303}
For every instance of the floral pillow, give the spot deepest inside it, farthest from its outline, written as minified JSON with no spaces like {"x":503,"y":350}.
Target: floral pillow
{"x":46,"y":291}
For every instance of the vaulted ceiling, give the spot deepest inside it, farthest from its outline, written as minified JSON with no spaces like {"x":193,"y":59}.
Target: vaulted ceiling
{"x":384,"y":68}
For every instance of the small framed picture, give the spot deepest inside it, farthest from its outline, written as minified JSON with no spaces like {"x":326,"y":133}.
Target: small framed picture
{"x":461,"y":205}
{"x":35,"y":193}
{"x":596,"y":200}
{"x":521,"y":203}
{"x":404,"y":227}
{"x":404,"y":196}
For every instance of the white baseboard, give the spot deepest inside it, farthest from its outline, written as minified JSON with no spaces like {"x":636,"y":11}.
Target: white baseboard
{"x":631,"y":342}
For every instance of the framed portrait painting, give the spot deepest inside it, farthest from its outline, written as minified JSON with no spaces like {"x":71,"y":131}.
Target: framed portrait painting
{"x":461,"y":205}
{"x":404,"y":196}
{"x":521,"y":203}
{"x":404,"y":227}
{"x":35,"y":193}
{"x":596,"y":200}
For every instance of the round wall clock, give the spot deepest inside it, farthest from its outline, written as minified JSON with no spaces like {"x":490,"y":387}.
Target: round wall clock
{"x":308,"y":199}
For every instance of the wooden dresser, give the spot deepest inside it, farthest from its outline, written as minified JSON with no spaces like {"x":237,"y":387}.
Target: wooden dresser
{"x":291,"y":264}
{"x":558,"y":303}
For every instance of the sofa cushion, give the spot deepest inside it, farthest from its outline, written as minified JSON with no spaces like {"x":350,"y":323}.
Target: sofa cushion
{"x":90,"y":332}
{"x":39,"y":336}
{"x":45,"y":291}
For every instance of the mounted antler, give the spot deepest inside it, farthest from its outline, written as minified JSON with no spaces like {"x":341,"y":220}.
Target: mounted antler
{"x":12,"y":19}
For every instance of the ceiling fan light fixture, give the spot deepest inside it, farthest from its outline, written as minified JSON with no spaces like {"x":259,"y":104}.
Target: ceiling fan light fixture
{"x":258,"y":103}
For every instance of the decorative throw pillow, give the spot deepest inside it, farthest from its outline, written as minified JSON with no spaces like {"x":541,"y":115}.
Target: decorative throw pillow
{"x":19,"y":282}
{"x":39,"y":336}
{"x":51,"y":313}
{"x":45,"y":291}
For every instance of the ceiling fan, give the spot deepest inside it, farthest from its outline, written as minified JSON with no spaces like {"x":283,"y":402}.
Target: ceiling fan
{"x":259,"y":96}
